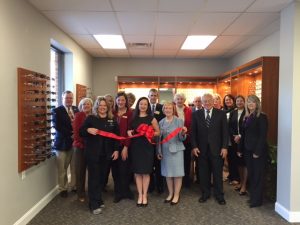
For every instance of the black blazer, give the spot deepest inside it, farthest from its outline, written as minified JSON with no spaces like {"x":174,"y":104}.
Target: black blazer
{"x":235,"y":126}
{"x":96,"y":145}
{"x":215,"y":137}
{"x":62,"y":123}
{"x":158,"y":114}
{"x":254,"y":134}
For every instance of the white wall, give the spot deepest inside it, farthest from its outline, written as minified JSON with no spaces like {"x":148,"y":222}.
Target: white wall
{"x":25,"y":42}
{"x":266,"y":47}
{"x":105,"y":70}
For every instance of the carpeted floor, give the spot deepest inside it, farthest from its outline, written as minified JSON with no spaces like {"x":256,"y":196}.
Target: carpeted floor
{"x":72,"y":212}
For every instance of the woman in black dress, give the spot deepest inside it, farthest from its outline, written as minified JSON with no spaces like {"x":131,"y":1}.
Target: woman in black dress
{"x":141,"y":150}
{"x":100,"y":150}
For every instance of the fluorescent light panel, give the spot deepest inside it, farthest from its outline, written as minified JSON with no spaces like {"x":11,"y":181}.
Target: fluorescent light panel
{"x":197,"y":42}
{"x":110,"y":41}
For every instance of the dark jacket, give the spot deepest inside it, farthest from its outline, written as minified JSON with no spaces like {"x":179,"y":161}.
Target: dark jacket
{"x":158,"y":114}
{"x":254,"y":134}
{"x":63,"y":126}
{"x":215,"y":137}
{"x":96,"y":145}
{"x":235,"y":127}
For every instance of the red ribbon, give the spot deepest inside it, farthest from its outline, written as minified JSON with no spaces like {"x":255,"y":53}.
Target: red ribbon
{"x":142,"y":130}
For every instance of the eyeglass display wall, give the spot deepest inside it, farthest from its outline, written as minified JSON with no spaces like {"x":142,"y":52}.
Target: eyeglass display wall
{"x":35,"y":102}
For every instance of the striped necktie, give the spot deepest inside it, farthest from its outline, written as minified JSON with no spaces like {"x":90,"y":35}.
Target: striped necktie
{"x":207,"y":119}
{"x":153,"y":109}
{"x":70,"y":114}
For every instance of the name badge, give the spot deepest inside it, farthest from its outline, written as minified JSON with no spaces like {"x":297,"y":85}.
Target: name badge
{"x":157,"y":112}
{"x":125,"y":117}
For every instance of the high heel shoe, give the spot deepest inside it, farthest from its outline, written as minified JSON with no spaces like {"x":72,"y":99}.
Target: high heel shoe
{"x":139,"y":204}
{"x":241,"y":193}
{"x":168,"y":200}
{"x":175,"y":203}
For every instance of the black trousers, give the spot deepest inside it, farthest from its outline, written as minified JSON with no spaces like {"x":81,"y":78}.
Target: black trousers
{"x":96,"y":173}
{"x":233,"y":163}
{"x":187,"y":165}
{"x":256,"y":172}
{"x":80,"y":171}
{"x":209,"y":164}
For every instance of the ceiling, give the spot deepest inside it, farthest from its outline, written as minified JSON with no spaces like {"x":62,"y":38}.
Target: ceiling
{"x":165,"y":24}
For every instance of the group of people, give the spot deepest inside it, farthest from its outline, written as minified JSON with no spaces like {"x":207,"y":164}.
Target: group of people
{"x":157,"y":143}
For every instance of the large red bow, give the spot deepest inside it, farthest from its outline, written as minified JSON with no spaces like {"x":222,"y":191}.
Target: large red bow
{"x":146,"y":130}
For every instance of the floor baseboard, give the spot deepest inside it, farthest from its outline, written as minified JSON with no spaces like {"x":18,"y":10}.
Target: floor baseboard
{"x":290,"y":216}
{"x":37,"y":207}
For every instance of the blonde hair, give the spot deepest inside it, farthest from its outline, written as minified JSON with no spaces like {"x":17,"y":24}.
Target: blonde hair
{"x":167,"y":104}
{"x":256,"y":100}
{"x":83,"y":101}
{"x":109,"y":108}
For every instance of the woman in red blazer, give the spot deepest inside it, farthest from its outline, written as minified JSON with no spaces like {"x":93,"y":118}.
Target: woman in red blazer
{"x":185,"y":113}
{"x":123,"y":115}
{"x":85,"y":108}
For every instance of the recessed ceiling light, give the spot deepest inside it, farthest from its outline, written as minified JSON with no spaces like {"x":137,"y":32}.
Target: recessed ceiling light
{"x":197,"y":42}
{"x":110,"y":41}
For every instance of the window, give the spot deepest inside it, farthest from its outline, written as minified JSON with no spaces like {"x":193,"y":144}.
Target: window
{"x":57,"y":73}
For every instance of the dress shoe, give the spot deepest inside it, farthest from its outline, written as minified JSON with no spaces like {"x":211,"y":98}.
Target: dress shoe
{"x":174,"y":203}
{"x":203,"y":199}
{"x":241,"y":193}
{"x":97,"y":211}
{"x":254,"y":205}
{"x":139,"y":204}
{"x":64,"y":194}
{"x":117,"y":199}
{"x":74,"y":190}
{"x":167,"y":200}
{"x":144,"y":204}
{"x":221,"y":201}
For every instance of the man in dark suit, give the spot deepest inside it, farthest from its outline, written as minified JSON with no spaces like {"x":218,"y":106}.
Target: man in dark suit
{"x":63,"y":117}
{"x":209,"y":143}
{"x":156,"y":180}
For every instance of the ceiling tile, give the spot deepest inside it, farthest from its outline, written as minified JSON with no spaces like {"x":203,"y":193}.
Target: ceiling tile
{"x":251,"y":23}
{"x":141,"y":52}
{"x":117,"y":52}
{"x":212,"y":23}
{"x":137,"y":23}
{"x":96,"y":52}
{"x":135,"y":5}
{"x":227,"y":5}
{"x":138,"y":39}
{"x":67,"y":21}
{"x":86,"y":41}
{"x":168,"y":42}
{"x":175,"y":23}
{"x":225,"y":42}
{"x":165,"y":53}
{"x":181,"y":6}
{"x":86,"y":5}
{"x":270,"y":28}
{"x":189,"y":53}
{"x":249,"y":41}
{"x":100,"y":22}
{"x":268,"y":6}
{"x":213,"y":52}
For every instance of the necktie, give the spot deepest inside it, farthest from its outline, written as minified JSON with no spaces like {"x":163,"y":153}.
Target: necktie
{"x":153,"y":109}
{"x":70,"y":114}
{"x":207,"y":119}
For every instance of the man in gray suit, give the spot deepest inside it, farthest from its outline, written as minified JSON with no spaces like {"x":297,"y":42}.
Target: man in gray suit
{"x":197,"y":104}
{"x":209,"y":142}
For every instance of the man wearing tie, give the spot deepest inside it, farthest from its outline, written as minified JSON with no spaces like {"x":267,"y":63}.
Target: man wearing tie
{"x":63,"y":117}
{"x":209,"y":143}
{"x":156,"y":180}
